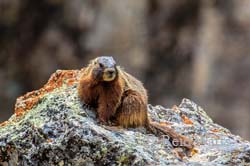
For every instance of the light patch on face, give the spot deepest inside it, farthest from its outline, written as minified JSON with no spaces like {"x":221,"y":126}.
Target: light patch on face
{"x":107,"y":77}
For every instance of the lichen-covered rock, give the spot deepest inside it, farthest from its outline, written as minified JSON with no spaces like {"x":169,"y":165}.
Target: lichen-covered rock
{"x":52,"y":127}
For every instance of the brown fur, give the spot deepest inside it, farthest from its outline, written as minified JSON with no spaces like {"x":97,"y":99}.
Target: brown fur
{"x":104,"y":96}
{"x":124,"y":100}
{"x":132,"y":111}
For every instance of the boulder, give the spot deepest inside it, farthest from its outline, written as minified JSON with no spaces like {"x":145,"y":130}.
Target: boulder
{"x":51,"y":126}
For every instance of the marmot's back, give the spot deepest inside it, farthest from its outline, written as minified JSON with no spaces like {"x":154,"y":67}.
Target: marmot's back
{"x":132,"y":83}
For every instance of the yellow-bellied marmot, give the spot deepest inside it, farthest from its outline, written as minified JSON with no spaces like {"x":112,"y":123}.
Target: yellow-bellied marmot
{"x":119,"y":97}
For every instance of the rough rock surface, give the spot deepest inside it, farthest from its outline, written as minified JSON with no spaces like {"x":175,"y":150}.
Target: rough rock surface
{"x":52,"y":127}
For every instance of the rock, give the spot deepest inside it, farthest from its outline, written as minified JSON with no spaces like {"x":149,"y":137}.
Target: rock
{"x":52,"y":127}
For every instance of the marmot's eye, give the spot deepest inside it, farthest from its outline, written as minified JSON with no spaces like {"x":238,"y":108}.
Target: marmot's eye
{"x":101,"y":65}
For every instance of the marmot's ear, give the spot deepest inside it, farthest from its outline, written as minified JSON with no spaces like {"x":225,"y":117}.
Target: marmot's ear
{"x":93,"y":62}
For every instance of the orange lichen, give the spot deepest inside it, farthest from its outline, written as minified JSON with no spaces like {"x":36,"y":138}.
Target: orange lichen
{"x":19,"y":112}
{"x":186,"y":120}
{"x":26,"y":102}
{"x":216,"y":130}
{"x":165,"y":123}
{"x":194,"y":151}
{"x":3,"y":123}
{"x":71,"y":82}
{"x":176,"y":109}
{"x":49,"y":140}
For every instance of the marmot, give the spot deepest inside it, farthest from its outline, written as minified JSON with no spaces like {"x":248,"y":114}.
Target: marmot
{"x":119,"y":97}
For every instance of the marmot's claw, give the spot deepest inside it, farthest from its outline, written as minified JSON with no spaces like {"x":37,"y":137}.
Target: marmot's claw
{"x":86,"y":106}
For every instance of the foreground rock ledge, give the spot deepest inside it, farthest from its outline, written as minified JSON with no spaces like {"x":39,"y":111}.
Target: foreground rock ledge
{"x":52,"y":127}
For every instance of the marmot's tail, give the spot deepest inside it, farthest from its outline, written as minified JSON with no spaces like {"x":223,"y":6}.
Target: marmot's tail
{"x":176,"y":139}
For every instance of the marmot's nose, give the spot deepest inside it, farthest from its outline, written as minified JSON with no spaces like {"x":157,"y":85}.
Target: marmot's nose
{"x":111,"y":72}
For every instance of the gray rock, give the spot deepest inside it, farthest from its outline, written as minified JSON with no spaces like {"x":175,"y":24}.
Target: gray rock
{"x":60,"y":130}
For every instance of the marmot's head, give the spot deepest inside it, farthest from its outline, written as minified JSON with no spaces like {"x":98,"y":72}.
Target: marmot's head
{"x":104,"y":69}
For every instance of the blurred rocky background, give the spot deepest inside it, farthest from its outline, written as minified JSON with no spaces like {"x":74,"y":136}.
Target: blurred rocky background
{"x":196,"y":49}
